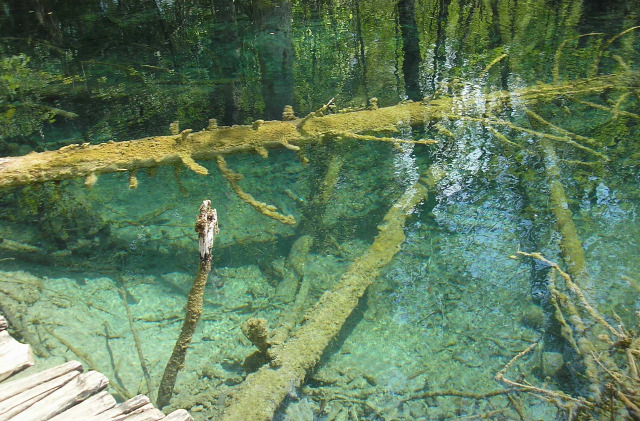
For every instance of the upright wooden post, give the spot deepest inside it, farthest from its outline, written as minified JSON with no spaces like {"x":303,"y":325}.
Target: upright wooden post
{"x":207,"y":228}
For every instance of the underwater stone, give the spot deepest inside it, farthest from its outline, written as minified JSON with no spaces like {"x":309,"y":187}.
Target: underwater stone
{"x":533,"y":317}
{"x":552,"y":362}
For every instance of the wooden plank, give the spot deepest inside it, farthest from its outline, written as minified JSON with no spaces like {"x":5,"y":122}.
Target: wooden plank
{"x":17,"y":404}
{"x":140,"y":410}
{"x":151,"y":414}
{"x":3,"y":323}
{"x":14,"y":356}
{"x":178,"y":415}
{"x":77,"y":390}
{"x":15,"y":387}
{"x":124,"y":408}
{"x":92,"y":406}
{"x":144,"y":413}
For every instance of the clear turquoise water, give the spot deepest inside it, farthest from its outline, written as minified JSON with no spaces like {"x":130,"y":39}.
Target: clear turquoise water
{"x":450,"y":310}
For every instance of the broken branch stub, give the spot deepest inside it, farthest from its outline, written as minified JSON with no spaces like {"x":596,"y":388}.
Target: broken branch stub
{"x":207,"y":228}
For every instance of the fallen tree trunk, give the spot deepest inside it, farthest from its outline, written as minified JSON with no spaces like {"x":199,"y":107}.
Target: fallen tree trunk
{"x":89,"y":161}
{"x":258,"y":397}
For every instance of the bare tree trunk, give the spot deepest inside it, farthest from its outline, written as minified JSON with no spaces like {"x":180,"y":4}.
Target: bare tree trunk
{"x":207,"y":228}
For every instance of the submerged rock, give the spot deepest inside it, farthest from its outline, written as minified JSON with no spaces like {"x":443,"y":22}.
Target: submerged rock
{"x":552,"y":362}
{"x":533,"y":317}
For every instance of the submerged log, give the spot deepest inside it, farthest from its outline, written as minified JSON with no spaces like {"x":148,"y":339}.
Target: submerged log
{"x":570,"y":244}
{"x":258,"y":397}
{"x":89,"y":161}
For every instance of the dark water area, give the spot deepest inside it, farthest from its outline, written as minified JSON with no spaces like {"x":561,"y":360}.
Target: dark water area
{"x":534,"y":108}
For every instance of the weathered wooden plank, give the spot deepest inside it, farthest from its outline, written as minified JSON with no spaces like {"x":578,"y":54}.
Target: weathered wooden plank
{"x":140,"y":410}
{"x":77,"y":390}
{"x":92,"y":406}
{"x":120,"y":417}
{"x":178,"y":415}
{"x":15,"y":387}
{"x":151,"y":414}
{"x":17,"y":404}
{"x":14,"y":356}
{"x":127,"y":407}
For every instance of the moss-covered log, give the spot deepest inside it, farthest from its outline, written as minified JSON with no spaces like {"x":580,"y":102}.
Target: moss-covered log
{"x":89,"y":161}
{"x":258,"y":397}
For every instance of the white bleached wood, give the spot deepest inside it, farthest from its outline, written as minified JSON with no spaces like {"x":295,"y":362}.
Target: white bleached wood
{"x":92,"y":406}
{"x":151,"y":414}
{"x":178,"y":415}
{"x":142,"y":409}
{"x":15,"y":387}
{"x":14,"y":356}
{"x":17,"y":404}
{"x":127,"y":407}
{"x":77,"y":390}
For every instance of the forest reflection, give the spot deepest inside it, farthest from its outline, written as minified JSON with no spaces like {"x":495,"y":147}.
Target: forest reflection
{"x":140,"y":65}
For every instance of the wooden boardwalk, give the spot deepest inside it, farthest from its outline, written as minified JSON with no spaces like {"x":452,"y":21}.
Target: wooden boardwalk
{"x":65,"y":392}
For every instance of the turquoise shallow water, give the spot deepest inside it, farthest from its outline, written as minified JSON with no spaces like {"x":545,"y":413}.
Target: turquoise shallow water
{"x":456,"y":303}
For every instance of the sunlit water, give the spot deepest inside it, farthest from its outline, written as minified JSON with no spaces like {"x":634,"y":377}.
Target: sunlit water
{"x":451,"y":309}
